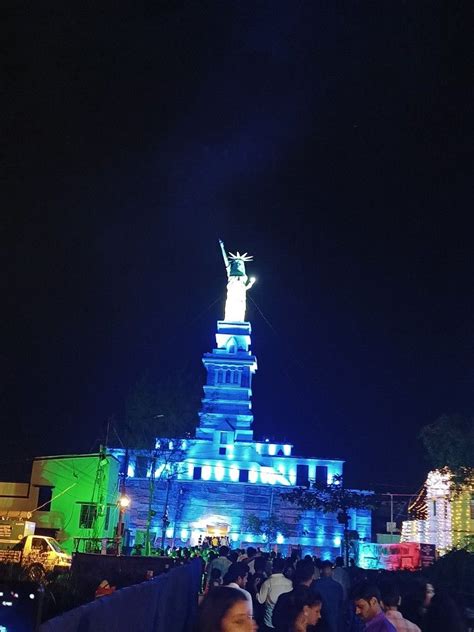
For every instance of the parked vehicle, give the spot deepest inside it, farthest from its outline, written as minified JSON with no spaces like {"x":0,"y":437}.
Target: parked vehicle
{"x":37,"y":554}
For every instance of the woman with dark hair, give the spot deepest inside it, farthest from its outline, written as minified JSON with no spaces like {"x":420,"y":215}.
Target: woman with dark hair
{"x":304,"y":609}
{"x":443,"y":614}
{"x":225,"y":609}
{"x":416,"y":600}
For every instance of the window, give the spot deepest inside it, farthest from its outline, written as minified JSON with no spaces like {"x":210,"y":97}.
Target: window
{"x":227,"y":377}
{"x":45,"y":495}
{"x":197,"y":473}
{"x":434,"y":508}
{"x":141,"y":468}
{"x":302,"y":475}
{"x":39,"y":545}
{"x":107,"y":518}
{"x":243,"y":476}
{"x":124,"y":462}
{"x":322,"y":474}
{"x":220,"y":377}
{"x":222,"y":451}
{"x":236,"y":377}
{"x":87,"y":517}
{"x":223,"y":438}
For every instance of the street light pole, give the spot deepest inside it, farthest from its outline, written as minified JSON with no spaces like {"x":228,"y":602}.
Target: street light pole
{"x":123,"y":504}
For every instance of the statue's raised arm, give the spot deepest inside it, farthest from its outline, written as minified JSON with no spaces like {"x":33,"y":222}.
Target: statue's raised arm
{"x":224,"y":255}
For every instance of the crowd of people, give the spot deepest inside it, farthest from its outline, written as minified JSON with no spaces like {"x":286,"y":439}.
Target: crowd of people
{"x":246,"y":590}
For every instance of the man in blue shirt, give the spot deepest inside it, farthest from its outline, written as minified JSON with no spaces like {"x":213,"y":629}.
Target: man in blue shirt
{"x":332,"y":597}
{"x":366,"y":599}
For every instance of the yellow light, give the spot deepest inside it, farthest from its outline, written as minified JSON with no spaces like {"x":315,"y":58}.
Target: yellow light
{"x":124,"y":502}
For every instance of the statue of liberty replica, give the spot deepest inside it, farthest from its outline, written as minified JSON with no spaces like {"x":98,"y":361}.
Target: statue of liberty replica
{"x":238,"y":285}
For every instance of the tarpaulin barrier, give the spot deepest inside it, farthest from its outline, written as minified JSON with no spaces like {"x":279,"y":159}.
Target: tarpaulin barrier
{"x":168,"y":602}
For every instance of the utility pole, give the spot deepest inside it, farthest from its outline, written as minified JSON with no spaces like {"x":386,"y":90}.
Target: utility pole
{"x":391,"y":514}
{"x":165,"y":519}
{"x":98,"y":507}
{"x":391,"y":526}
{"x":151,"y":512}
{"x":151,"y":492}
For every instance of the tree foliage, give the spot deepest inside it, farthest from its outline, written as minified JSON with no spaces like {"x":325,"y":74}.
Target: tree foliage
{"x":329,"y":498}
{"x":167,"y":408}
{"x":332,"y":498}
{"x":449,"y":442}
{"x":269,"y":527}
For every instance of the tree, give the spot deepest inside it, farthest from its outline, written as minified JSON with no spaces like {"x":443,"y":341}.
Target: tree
{"x":159,"y":409}
{"x":168,"y":455}
{"x":268,"y":527}
{"x":332,"y":498}
{"x":449,"y":442}
{"x":164,"y":410}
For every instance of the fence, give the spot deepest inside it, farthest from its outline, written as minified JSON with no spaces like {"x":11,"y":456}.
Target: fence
{"x":168,"y":602}
{"x":89,"y":569}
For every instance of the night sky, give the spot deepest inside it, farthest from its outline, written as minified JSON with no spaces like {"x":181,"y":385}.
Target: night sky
{"x":332,"y":144}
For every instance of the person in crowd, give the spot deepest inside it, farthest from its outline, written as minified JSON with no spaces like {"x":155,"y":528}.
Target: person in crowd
{"x":332,"y":597}
{"x":356,"y":574}
{"x":234,"y":556}
{"x":271,"y":589}
{"x":340,"y":575}
{"x":304,"y":610}
{"x":249,"y":558}
{"x":221,"y":562}
{"x":442,"y":615}
{"x":215,"y":579}
{"x":366,"y":599}
{"x":390,"y":601}
{"x":304,"y":575}
{"x":254,"y":584}
{"x":236,"y":577}
{"x":318,"y":563}
{"x":417,"y":600}
{"x":103,"y":589}
{"x":313,"y":559}
{"x":259,"y":576}
{"x":225,"y":609}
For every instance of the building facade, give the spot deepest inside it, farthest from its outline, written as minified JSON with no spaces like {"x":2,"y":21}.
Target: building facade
{"x":223,"y":482}
{"x":446,"y":515}
{"x":72,"y":498}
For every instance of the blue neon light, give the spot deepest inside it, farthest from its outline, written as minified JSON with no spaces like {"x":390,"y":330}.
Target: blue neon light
{"x":234,"y":473}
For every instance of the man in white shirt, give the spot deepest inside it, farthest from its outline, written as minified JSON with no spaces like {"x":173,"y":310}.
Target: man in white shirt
{"x":271,"y":589}
{"x":390,"y":600}
{"x":236,"y":577}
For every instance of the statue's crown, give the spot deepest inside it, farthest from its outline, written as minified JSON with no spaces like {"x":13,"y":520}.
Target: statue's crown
{"x":238,"y":256}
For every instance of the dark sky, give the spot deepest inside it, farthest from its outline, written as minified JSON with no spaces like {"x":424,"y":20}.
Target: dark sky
{"x":332,"y":144}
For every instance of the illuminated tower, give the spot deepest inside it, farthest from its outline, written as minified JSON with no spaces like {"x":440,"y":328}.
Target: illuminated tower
{"x":226,"y":405}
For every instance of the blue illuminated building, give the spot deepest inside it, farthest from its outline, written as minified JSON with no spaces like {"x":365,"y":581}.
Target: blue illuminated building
{"x":222,"y":476}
